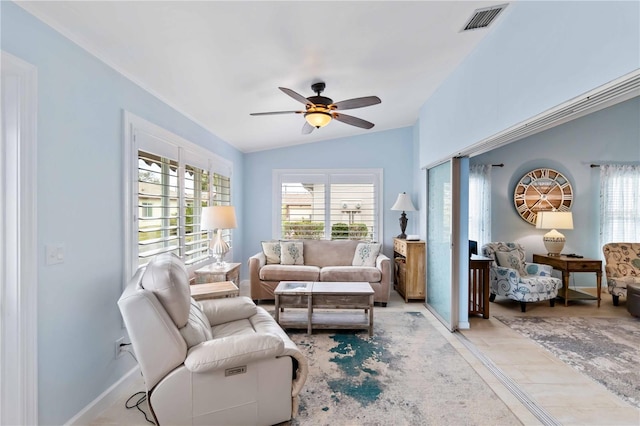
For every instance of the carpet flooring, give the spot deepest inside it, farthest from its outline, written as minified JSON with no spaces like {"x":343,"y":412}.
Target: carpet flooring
{"x":605,"y":349}
{"x":406,"y":374}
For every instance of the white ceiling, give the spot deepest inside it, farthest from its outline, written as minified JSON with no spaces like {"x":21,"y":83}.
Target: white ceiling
{"x":216,"y":62}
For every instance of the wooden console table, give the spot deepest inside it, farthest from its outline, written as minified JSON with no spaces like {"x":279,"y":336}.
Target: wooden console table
{"x":572,"y":264}
{"x":479,"y":283}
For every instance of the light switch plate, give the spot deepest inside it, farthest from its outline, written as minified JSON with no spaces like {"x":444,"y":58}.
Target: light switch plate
{"x":54,"y":254}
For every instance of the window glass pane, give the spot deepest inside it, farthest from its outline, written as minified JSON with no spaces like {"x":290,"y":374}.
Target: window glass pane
{"x":222,"y":197}
{"x":196,"y":189}
{"x":620,"y":203}
{"x":158,"y":203}
{"x":303,"y":206}
{"x":352,"y":211}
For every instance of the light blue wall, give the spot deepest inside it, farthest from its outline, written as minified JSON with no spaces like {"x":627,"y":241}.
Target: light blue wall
{"x":390,"y":150}
{"x":511,"y":76}
{"x":80,"y":205}
{"x":540,"y":54}
{"x":609,"y":135}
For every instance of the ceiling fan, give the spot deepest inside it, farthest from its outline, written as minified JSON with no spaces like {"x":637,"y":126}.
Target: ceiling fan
{"x":320,"y":110}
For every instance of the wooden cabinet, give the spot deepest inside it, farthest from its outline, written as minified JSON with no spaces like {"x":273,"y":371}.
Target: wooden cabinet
{"x":409,"y":259}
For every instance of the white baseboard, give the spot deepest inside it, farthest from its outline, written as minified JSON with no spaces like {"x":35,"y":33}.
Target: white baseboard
{"x":105,"y":399}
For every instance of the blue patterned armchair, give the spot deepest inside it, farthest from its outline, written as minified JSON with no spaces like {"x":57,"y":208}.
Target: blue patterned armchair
{"x":516,"y":279}
{"x":622,"y":265}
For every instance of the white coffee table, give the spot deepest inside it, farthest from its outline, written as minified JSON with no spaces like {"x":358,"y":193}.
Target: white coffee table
{"x":324,"y":305}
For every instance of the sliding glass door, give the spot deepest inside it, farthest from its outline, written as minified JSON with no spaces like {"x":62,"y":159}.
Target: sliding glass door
{"x":446,"y":241}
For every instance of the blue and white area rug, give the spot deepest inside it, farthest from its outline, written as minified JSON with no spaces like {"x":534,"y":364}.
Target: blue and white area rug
{"x":605,"y":349}
{"x":406,"y":374}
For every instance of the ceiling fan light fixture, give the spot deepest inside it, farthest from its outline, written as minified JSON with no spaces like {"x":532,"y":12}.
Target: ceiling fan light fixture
{"x":318,"y":118}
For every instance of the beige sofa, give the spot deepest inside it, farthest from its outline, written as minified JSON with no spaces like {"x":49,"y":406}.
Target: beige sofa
{"x":324,"y":260}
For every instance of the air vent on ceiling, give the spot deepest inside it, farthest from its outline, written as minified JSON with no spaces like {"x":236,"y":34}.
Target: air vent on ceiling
{"x":482,"y":18}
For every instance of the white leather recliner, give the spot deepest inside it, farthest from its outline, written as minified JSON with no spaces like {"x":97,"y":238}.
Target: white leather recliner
{"x":214,"y":362}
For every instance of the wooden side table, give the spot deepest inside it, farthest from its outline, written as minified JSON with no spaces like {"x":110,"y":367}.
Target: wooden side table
{"x":213,"y":274}
{"x":214,"y":290}
{"x":572,"y":264}
{"x":479,"y":271}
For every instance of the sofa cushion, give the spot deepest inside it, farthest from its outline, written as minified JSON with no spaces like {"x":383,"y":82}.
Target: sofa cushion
{"x":291,"y":253}
{"x":289,"y":273}
{"x":271,"y":250}
{"x":366,"y":254}
{"x":329,"y":253}
{"x":350,"y":274}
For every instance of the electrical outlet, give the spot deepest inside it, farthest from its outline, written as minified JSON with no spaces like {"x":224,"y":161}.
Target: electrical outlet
{"x":119,"y":349}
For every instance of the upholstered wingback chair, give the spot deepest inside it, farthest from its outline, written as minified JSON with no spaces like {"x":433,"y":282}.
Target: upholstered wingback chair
{"x":622,"y":266}
{"x":221,"y":361}
{"x":512,"y":277}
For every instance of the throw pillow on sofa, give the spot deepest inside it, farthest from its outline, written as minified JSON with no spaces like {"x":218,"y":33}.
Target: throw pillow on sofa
{"x":510,"y":259}
{"x":366,"y":254}
{"x":291,"y":253}
{"x":271,"y":250}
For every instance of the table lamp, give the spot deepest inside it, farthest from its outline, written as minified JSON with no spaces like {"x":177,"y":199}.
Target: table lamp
{"x":217,"y":218}
{"x":404,"y":204}
{"x":553,"y":240}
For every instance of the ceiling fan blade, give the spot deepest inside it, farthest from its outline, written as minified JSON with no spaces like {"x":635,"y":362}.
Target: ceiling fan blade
{"x":357,"y":102}
{"x":307,"y":128}
{"x":277,"y":112}
{"x":297,"y":96}
{"x":354,"y":121}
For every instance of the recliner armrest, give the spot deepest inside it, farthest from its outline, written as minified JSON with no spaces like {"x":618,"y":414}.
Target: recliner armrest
{"x":220,"y":311}
{"x":232,"y":351}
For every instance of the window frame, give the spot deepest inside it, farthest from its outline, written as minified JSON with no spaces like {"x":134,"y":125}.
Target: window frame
{"x":140,"y":134}
{"x":327,"y":177}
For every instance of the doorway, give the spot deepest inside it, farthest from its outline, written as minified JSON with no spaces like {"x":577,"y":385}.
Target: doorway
{"x":18,"y":253}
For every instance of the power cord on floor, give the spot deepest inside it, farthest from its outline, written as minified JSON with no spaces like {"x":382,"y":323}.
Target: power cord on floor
{"x":142,"y":397}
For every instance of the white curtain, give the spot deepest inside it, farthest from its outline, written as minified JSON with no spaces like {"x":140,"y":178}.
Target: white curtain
{"x":480,"y":203}
{"x":619,"y":203}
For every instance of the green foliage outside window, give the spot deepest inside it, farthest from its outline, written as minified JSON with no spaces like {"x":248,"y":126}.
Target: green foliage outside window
{"x":343,"y":231}
{"x":303,"y":229}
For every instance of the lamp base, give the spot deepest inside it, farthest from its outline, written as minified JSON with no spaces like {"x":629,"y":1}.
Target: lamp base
{"x":403,"y":226}
{"x":219,"y":249}
{"x":554,"y":242}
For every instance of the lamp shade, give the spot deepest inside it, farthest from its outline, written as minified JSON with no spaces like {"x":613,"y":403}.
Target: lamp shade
{"x":554,"y":220}
{"x":403,"y":203}
{"x":218,"y":217}
{"x":318,"y":118}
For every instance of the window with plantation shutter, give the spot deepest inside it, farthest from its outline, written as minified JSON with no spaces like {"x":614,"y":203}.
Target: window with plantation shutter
{"x":168,"y":182}
{"x":332,"y":204}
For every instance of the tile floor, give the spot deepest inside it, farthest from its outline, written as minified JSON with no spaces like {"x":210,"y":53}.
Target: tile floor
{"x":565,"y":394}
